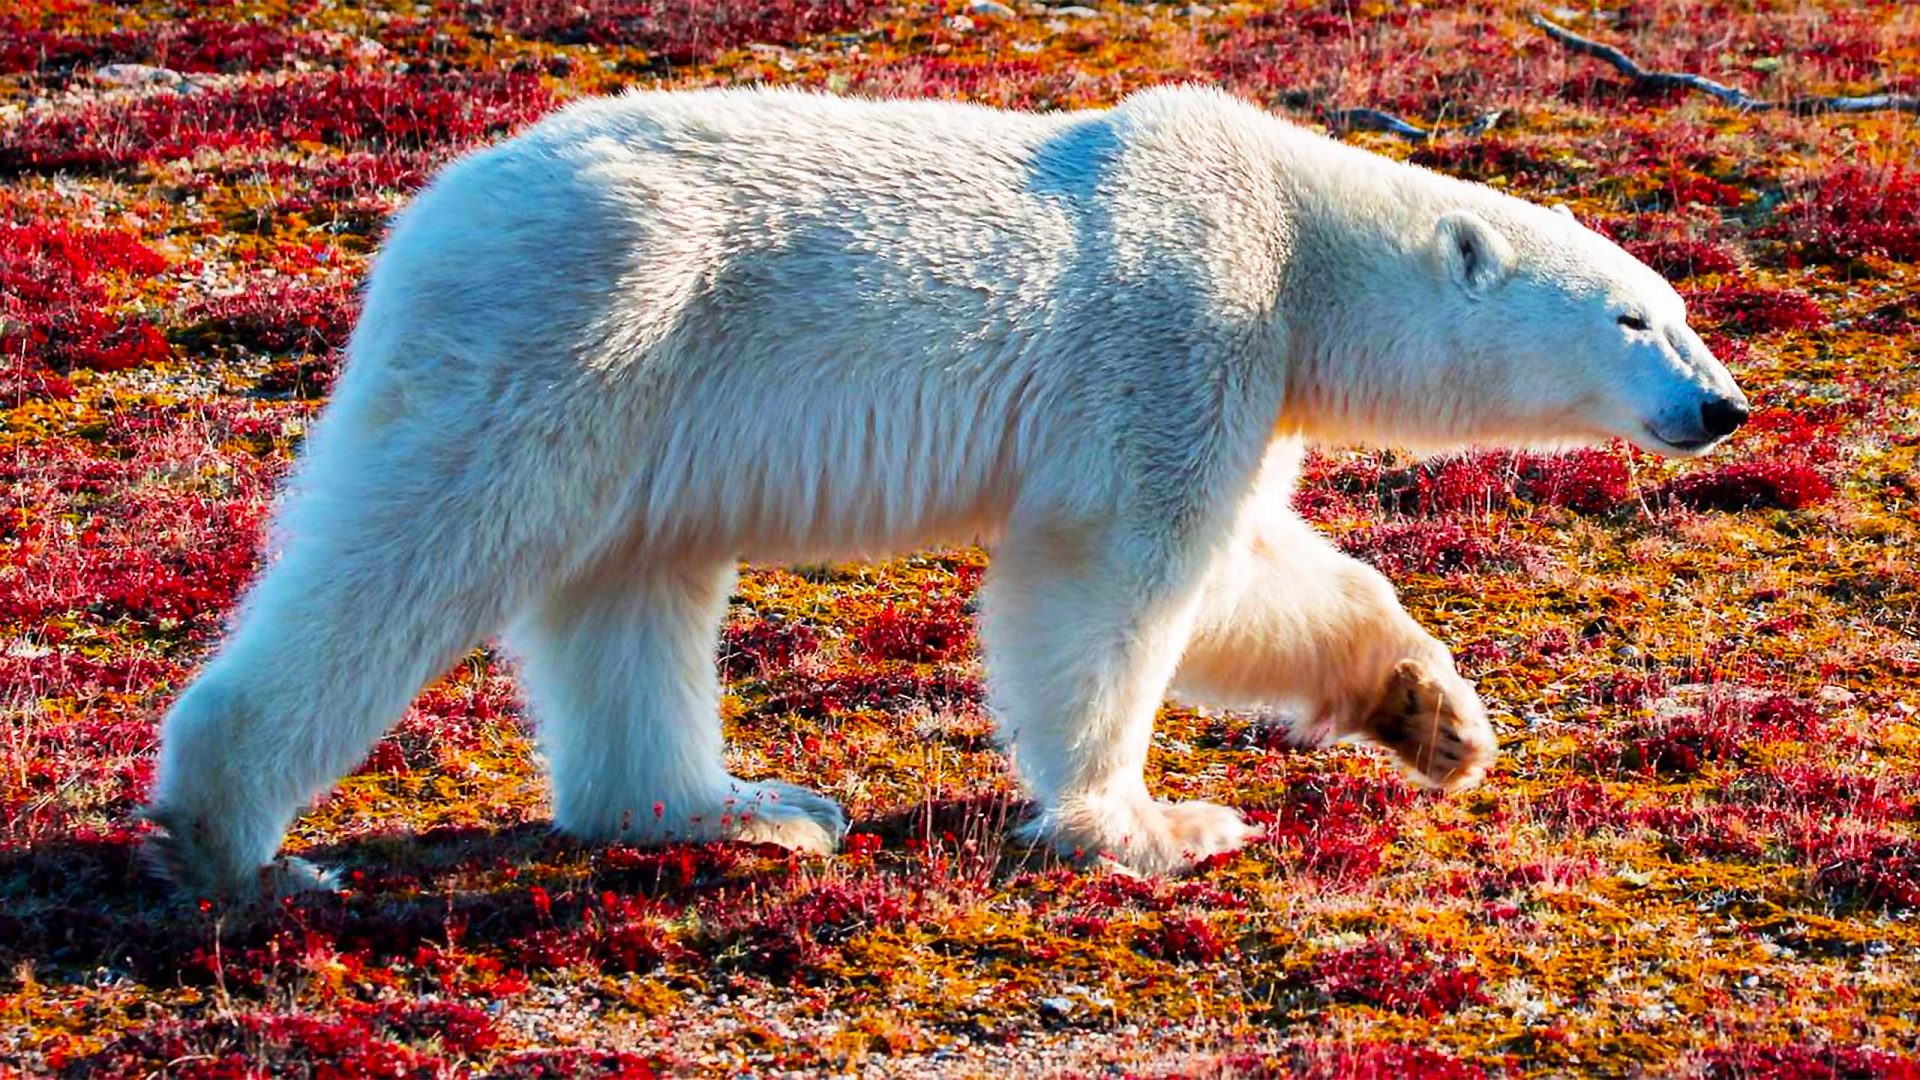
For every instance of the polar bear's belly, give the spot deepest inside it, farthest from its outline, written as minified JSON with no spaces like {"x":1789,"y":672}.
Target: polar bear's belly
{"x":792,"y":467}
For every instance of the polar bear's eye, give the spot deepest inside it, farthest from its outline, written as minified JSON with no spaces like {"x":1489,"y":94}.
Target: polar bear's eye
{"x":1633,"y":322}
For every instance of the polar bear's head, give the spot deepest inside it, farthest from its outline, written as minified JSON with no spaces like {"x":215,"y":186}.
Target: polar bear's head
{"x":1567,"y":338}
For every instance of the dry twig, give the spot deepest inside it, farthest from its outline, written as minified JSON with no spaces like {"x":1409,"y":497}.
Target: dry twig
{"x":1377,"y":120}
{"x":1731,"y":95}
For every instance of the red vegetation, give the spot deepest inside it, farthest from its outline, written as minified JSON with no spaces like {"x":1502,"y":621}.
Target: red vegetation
{"x":276,"y":316}
{"x":794,"y":939}
{"x":814,"y":698}
{"x":1679,"y":259}
{"x":1803,"y":1062}
{"x":764,"y":646}
{"x":193,"y":45}
{"x":675,"y":31}
{"x":1431,"y":547}
{"x":194,"y":552}
{"x":1754,"y":484}
{"x":574,"y":1065}
{"x":1399,"y":976}
{"x":261,"y":1045}
{"x":1755,"y":310}
{"x":358,"y":186}
{"x":1485,"y":159}
{"x":1832,"y":794}
{"x":1183,"y":939}
{"x":1708,"y":768}
{"x":1338,"y":827}
{"x":615,"y":934}
{"x":1683,"y":742}
{"x":1854,"y":212}
{"x":53,"y":294}
{"x":1871,"y":869}
{"x":1590,"y":481}
{"x":355,"y":111}
{"x":1582,"y":807}
{"x":933,"y":635}
{"x":1380,"y":1061}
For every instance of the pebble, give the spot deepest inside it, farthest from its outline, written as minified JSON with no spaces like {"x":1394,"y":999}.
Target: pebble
{"x":138,"y":75}
{"x":991,"y":9}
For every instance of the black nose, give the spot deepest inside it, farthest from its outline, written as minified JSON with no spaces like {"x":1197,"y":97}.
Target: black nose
{"x":1722,"y":416}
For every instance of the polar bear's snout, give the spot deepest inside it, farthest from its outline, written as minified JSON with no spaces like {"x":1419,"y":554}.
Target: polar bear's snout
{"x":1710,"y":405}
{"x":1722,"y":416}
{"x":1695,"y":428}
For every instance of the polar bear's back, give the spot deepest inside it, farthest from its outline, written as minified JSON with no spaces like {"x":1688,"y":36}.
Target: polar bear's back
{"x":887,"y":313}
{"x":626,"y":221}
{"x":791,"y":317}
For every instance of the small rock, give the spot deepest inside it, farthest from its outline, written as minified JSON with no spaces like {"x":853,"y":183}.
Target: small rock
{"x":1836,"y":695}
{"x":138,"y":75}
{"x":959,"y":23}
{"x":1195,"y":11}
{"x":1077,"y":12}
{"x":1057,"y":1008}
{"x":992,"y":9}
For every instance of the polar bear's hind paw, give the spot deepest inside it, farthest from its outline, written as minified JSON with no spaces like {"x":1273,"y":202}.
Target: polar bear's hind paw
{"x":173,"y":856}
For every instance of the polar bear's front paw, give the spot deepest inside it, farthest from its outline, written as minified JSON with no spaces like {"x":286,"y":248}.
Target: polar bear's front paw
{"x":1139,"y":834}
{"x":1434,"y":724}
{"x":1202,"y":830}
{"x":789,"y":815}
{"x":754,"y":812}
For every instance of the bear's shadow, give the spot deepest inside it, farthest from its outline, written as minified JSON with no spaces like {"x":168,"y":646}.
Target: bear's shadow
{"x":90,"y":909}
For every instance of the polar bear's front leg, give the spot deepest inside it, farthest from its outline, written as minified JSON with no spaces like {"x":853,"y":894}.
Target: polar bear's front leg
{"x":1081,"y":640}
{"x":1287,"y":617}
{"x":619,"y":668}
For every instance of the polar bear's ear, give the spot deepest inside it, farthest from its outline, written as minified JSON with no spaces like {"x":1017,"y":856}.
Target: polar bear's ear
{"x":1564,"y":211}
{"x":1475,"y":255}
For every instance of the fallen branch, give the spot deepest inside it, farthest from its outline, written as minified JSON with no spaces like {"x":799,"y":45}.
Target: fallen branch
{"x":1376,"y":120}
{"x":1681,"y":80}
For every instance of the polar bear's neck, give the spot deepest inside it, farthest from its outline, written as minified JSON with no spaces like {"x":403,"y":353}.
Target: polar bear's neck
{"x":1368,"y":360}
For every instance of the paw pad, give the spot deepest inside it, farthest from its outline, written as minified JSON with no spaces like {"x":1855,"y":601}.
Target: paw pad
{"x":1434,"y":724}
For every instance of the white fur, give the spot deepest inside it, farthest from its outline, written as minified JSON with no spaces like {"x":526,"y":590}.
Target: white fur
{"x":660,"y":332}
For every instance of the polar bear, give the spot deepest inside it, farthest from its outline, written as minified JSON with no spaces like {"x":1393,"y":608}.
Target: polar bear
{"x":657,"y":333}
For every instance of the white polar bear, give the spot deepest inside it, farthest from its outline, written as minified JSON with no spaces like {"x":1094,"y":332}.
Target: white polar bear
{"x":660,"y":332}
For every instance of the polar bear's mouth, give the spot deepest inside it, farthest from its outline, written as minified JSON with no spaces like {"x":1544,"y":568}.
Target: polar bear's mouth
{"x":1685,"y":446}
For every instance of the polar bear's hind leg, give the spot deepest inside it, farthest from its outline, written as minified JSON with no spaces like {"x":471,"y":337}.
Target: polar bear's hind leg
{"x":332,"y":642}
